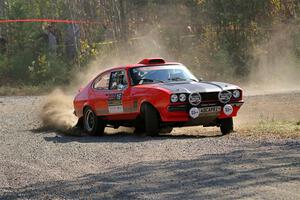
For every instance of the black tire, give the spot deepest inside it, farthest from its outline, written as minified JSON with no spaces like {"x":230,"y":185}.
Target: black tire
{"x":139,"y":126}
{"x":92,"y":124}
{"x":79,"y":124}
{"x":151,"y":118}
{"x":226,"y":126}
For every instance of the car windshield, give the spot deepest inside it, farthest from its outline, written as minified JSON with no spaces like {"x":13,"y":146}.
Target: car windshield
{"x":160,"y":74}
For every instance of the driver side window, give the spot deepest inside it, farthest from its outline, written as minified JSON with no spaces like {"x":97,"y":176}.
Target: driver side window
{"x":118,"y":80}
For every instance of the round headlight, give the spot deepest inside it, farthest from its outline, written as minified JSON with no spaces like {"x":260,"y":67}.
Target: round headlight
{"x":236,"y":94}
{"x":225,"y":96}
{"x":182,"y":97}
{"x":195,"y":99}
{"x":174,"y":98}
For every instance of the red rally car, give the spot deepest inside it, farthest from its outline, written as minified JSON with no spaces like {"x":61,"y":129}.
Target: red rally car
{"x":154,"y":96}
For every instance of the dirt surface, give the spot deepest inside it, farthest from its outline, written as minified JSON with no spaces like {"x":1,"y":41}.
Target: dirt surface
{"x":192,"y":163}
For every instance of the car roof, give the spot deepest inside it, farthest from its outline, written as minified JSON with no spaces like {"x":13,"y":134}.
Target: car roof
{"x":149,"y":65}
{"x":146,"y":62}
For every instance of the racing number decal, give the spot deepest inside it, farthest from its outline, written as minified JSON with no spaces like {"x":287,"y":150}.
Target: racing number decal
{"x":115,"y":104}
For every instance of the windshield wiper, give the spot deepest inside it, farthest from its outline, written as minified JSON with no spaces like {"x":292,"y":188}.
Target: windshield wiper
{"x":176,"y":79}
{"x":181,"y":79}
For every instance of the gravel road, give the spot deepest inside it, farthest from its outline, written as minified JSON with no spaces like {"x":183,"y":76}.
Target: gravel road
{"x":191,"y":163}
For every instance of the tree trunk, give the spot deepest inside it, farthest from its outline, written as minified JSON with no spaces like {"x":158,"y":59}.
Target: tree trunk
{"x":123,"y":21}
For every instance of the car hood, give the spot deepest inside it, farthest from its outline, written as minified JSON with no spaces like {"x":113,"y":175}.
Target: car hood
{"x":203,"y":86}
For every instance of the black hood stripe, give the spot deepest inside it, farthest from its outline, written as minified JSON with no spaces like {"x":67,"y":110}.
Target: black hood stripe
{"x":190,"y":87}
{"x":210,"y":83}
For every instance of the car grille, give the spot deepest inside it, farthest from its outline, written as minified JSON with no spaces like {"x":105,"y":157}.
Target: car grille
{"x":210,"y":97}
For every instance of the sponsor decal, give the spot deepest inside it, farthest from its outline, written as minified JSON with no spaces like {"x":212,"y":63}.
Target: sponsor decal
{"x":115,"y":109}
{"x":228,"y":109}
{"x":115,"y":103}
{"x":133,"y":108}
{"x":194,"y":112}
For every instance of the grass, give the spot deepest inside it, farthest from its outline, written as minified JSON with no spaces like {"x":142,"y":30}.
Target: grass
{"x":278,"y":129}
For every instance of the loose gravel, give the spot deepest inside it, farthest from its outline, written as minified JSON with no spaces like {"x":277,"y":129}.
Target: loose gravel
{"x":192,"y":163}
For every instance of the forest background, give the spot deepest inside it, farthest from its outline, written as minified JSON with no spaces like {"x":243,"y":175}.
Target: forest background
{"x":253,"y":42}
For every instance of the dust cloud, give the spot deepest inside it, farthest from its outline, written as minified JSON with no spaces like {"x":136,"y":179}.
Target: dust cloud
{"x":272,"y":90}
{"x":57,"y":110}
{"x":146,"y":42}
{"x":277,"y":69}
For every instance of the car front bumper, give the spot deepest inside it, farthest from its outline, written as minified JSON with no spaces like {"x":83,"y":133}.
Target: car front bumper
{"x":181,"y":113}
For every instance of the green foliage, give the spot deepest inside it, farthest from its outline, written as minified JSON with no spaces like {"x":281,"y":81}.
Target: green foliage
{"x":48,"y":69}
{"x":216,"y":38}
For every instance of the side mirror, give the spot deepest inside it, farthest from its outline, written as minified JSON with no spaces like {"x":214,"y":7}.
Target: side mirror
{"x":80,"y":89}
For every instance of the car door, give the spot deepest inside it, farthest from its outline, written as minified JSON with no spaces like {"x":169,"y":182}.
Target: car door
{"x":98,"y":94}
{"x":119,"y":100}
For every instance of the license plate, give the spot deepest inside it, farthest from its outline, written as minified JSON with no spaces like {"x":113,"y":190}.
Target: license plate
{"x":211,"y":109}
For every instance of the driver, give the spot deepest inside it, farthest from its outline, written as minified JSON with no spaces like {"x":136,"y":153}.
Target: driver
{"x":119,"y":82}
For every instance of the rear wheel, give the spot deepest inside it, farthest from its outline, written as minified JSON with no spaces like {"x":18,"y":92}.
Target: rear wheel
{"x":92,"y":124}
{"x":79,"y":124}
{"x":226,"y":126}
{"x":151,"y":118}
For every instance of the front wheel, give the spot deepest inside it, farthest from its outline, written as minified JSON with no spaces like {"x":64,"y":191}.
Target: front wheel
{"x":92,"y":124}
{"x":151,"y":118}
{"x":139,"y":125}
{"x":226,"y":126}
